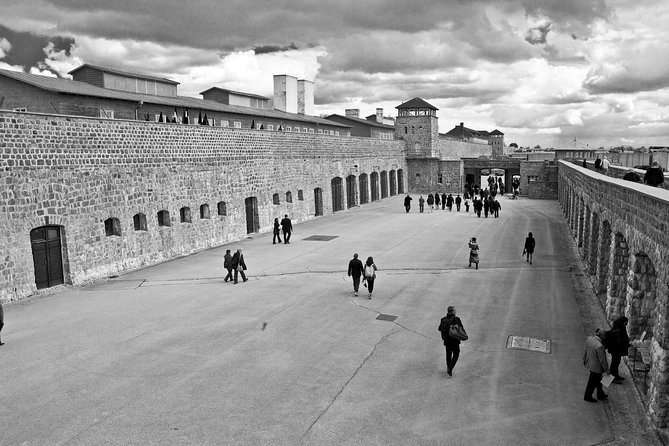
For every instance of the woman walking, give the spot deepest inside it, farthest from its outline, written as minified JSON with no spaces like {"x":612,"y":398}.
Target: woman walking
{"x":529,"y":247}
{"x":452,"y":345}
{"x":473,"y":252}
{"x":370,"y":275}
{"x":277,"y":234}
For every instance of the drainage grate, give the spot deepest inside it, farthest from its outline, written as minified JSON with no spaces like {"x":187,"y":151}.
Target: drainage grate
{"x":531,"y":344}
{"x":320,"y":238}
{"x":386,"y":317}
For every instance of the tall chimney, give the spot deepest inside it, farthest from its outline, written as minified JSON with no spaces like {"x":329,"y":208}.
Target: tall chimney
{"x":285,"y":93}
{"x":352,"y":112}
{"x":305,"y":97}
{"x":379,"y":115}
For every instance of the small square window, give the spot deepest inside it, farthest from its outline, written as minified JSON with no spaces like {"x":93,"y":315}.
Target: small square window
{"x":225,"y":123}
{"x":164,"y":218}
{"x":320,"y":131}
{"x":300,"y":195}
{"x":204,"y":211}
{"x":336,"y":132}
{"x":297,"y":130}
{"x":305,"y":130}
{"x":288,"y":128}
{"x":139,"y":221}
{"x":270,"y":127}
{"x":275,"y":199}
{"x":238,"y":125}
{"x":222,"y":208}
{"x":185,"y":215}
{"x":20,"y":109}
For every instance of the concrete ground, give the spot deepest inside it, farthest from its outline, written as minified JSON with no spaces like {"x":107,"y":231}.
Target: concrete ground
{"x":173,"y":355}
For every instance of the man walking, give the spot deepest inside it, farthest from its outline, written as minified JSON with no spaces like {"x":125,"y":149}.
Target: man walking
{"x":227,"y":264}
{"x":287,"y":228}
{"x":239,"y":265}
{"x":458,"y":200}
{"x":407,"y":202}
{"x":594,"y":358}
{"x":452,"y":345}
{"x":355,"y":271}
{"x":421,"y":204}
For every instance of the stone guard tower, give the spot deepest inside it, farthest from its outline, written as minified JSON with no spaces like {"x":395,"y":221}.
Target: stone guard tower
{"x":417,"y":125}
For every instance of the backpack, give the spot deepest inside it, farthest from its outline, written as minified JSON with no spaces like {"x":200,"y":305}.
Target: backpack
{"x":369,"y":271}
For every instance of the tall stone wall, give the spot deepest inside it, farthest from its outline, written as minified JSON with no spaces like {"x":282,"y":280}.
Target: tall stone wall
{"x":78,"y":172}
{"x":449,"y":149}
{"x":539,"y":180}
{"x":621,"y":230}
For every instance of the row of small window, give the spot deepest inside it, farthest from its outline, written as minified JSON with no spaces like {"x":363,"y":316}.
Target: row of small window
{"x":113,"y":225}
{"x":289,"y":197}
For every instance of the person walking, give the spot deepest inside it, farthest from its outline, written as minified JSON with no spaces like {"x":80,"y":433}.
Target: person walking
{"x":370,"y":275}
{"x":355,"y":269}
{"x":467,"y":204}
{"x":443,"y":201}
{"x":436,"y":201}
{"x":496,"y":207}
{"x":239,"y":265}
{"x":287,"y":228}
{"x":449,"y":202}
{"x":277,"y":231}
{"x":421,"y":204}
{"x":407,"y":202}
{"x":430,"y":202}
{"x":2,"y":321}
{"x":618,"y":343}
{"x":227,"y":264}
{"x":528,"y":250}
{"x":458,"y":200}
{"x":654,"y":175}
{"x":473,"y":252}
{"x":486,"y":207}
{"x":452,"y":345}
{"x":478,"y":205}
{"x":594,"y":359}
{"x":605,"y":164}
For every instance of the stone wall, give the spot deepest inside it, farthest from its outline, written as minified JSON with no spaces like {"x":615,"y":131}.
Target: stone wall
{"x":539,"y":180}
{"x":621,"y":229}
{"x":76,"y":173}
{"x":450,"y":149}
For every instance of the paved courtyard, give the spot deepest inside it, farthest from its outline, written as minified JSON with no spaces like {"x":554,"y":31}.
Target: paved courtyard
{"x":173,"y":355}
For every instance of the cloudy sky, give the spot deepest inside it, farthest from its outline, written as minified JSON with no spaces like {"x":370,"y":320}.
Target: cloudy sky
{"x":545,"y":72}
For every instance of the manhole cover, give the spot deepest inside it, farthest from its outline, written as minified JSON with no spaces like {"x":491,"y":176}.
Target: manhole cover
{"x":320,"y":238}
{"x":531,"y":344}
{"x":386,"y":317}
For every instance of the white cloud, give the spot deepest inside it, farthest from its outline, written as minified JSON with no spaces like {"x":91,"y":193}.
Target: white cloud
{"x":5,"y":47}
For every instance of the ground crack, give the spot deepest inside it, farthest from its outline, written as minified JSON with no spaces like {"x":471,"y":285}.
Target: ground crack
{"x":348,"y":381}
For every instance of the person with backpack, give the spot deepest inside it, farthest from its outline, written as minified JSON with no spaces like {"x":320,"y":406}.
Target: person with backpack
{"x":369,"y":275}
{"x":617,"y":343}
{"x":451,"y":338}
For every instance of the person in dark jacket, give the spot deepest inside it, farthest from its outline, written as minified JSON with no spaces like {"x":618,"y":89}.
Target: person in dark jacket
{"x":407,"y":202}
{"x":2,"y":321}
{"x":421,"y":204}
{"x":449,"y":202}
{"x":443,"y":201}
{"x":486,"y":206}
{"x":355,"y":271}
{"x":594,"y":359}
{"x":495,"y":207}
{"x":618,"y":343}
{"x":478,"y":205}
{"x":430,"y":202}
{"x":287,"y":227}
{"x":458,"y":201}
{"x":227,"y":264}
{"x":530,"y":243}
{"x":239,"y":265}
{"x":654,"y":176}
{"x":277,"y":231}
{"x":452,"y":345}
{"x":436,"y":201}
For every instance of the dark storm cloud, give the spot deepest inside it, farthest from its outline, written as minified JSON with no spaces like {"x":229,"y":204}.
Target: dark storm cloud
{"x":537,"y":35}
{"x":28,"y":49}
{"x":265,"y":49}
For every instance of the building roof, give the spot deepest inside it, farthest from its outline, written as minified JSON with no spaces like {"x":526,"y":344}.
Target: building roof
{"x":461,"y":131}
{"x":573,"y":149}
{"x":496,"y":132}
{"x":363,"y":121}
{"x":67,"y":86}
{"x":239,"y":93}
{"x":416,"y":103}
{"x":125,"y":73}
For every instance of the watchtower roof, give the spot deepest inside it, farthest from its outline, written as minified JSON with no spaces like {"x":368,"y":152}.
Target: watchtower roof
{"x":416,"y":103}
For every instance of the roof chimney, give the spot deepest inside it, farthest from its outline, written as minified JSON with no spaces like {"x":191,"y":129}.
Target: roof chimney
{"x":379,"y":115}
{"x":352,"y":112}
{"x":305,"y":97}
{"x":285,"y":93}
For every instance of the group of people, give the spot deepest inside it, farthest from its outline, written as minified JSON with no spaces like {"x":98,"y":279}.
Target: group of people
{"x":366,"y":271}
{"x":234,"y":262}
{"x":617,"y":342}
{"x":486,"y":203}
{"x":285,"y":226}
{"x":654,"y":175}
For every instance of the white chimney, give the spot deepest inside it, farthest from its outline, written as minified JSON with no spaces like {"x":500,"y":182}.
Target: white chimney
{"x":285,"y":93}
{"x":352,"y":112}
{"x":305,"y":97}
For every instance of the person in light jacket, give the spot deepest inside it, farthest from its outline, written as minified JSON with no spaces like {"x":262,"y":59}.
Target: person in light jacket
{"x":594,"y":359}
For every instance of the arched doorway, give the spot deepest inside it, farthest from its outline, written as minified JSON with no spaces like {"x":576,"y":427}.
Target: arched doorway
{"x":252,"y":218}
{"x":318,"y":201}
{"x":47,"y":256}
{"x":337,"y":194}
{"x":374,"y":186}
{"x":350,"y":191}
{"x":393,"y":183}
{"x":384,"y":184}
{"x":364,"y":188}
{"x":400,"y":181}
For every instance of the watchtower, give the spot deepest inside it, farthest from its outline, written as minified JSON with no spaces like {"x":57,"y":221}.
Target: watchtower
{"x":417,"y":125}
